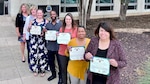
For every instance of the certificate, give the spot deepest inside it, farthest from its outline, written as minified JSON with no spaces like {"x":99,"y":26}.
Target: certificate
{"x":77,"y":53}
{"x":100,"y":65}
{"x":50,"y":35}
{"x":63,"y":38}
{"x":35,"y":30}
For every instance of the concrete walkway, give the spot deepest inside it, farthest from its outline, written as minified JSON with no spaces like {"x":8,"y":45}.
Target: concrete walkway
{"x":12,"y":70}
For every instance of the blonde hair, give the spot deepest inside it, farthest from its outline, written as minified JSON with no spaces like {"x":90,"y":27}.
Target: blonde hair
{"x":33,"y":7}
{"x":27,"y":8}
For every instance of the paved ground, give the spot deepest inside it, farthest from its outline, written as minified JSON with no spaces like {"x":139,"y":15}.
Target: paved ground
{"x":12,"y":70}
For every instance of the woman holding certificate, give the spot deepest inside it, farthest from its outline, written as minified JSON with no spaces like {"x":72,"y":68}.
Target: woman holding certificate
{"x":66,"y":32}
{"x":20,"y":21}
{"x":77,"y":66}
{"x":106,"y":56}
{"x":38,"y":51}
{"x":26,"y":35}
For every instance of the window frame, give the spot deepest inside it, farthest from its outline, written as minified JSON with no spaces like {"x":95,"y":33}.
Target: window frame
{"x":100,"y":5}
{"x":146,"y":5}
{"x":65,"y":5}
{"x":133,"y":4}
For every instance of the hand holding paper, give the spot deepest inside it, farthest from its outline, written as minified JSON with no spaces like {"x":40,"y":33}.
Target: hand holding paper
{"x":77,"y":53}
{"x":50,"y":35}
{"x":100,"y":65}
{"x":35,"y":30}
{"x":63,"y":38}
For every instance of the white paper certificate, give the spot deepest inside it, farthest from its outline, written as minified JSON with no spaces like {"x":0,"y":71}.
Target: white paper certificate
{"x":63,"y":38}
{"x":100,"y":65}
{"x":35,"y":30}
{"x":50,"y":35}
{"x":77,"y":53}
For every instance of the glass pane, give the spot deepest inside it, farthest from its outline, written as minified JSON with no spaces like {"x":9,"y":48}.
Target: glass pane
{"x":62,"y":9}
{"x":131,"y":7}
{"x":106,"y":1}
{"x":71,"y":9}
{"x":62,"y":1}
{"x":147,"y":6}
{"x":105,"y":8}
{"x":97,"y":1}
{"x":147,"y":1}
{"x":71,"y":1}
{"x":133,"y":1}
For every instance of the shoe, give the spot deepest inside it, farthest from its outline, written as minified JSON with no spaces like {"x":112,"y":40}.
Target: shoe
{"x":42,"y":74}
{"x":23,"y":60}
{"x":60,"y":81}
{"x":35,"y":74}
{"x":51,"y":77}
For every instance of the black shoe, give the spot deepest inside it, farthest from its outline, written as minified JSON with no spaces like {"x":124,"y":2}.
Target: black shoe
{"x":60,"y":81}
{"x":51,"y":77}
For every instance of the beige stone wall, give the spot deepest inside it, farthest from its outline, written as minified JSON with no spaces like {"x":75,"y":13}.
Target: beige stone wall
{"x":15,"y":4}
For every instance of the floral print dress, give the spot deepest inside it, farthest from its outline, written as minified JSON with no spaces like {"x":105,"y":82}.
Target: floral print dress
{"x":38,"y":51}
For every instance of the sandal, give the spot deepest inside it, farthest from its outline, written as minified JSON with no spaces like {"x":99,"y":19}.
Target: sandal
{"x":42,"y":74}
{"x":35,"y":74}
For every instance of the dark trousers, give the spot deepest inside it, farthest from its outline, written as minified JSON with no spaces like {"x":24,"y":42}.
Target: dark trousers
{"x":63,"y":65}
{"x":28,"y":49}
{"x":51,"y":62}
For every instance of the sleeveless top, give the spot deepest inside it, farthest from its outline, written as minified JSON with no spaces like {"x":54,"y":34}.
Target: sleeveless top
{"x":41,"y":24}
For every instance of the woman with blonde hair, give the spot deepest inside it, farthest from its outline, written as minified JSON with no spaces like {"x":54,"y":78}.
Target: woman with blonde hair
{"x":20,"y":21}
{"x":26,"y":34}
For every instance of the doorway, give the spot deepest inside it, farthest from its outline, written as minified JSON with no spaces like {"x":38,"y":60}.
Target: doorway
{"x":4,"y":7}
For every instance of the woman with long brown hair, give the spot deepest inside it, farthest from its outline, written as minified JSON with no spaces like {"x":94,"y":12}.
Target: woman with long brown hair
{"x":69,"y":26}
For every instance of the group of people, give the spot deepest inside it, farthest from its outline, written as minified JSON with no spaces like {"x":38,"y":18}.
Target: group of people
{"x":42,"y":52}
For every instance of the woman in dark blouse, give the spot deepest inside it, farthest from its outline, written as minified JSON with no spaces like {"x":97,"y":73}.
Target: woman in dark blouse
{"x":20,"y":21}
{"x":106,"y":45}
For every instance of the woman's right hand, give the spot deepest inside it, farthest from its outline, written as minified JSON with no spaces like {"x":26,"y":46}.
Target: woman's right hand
{"x":44,"y":30}
{"x":88,"y":56}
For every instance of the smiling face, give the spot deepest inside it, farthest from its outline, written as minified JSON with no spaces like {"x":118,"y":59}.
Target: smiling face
{"x":39,"y":14}
{"x":68,"y":20}
{"x":23,"y":9}
{"x":33,"y":11}
{"x":53,"y":15}
{"x":103,"y":34}
{"x":81,"y":33}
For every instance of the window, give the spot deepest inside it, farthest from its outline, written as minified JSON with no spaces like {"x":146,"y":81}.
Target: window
{"x":147,"y":4}
{"x":104,"y":5}
{"x":69,"y":5}
{"x":132,"y":5}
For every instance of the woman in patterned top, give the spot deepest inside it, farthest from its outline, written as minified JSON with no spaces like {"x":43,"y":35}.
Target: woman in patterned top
{"x":38,"y":51}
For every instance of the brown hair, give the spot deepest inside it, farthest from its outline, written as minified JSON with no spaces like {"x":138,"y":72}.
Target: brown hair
{"x":107,"y":27}
{"x":27,"y":8}
{"x":64,"y":23}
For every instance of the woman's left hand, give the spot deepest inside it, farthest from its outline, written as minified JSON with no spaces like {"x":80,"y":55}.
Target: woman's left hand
{"x":113,"y":62}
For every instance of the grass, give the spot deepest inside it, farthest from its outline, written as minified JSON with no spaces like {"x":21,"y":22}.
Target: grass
{"x":145,"y":79}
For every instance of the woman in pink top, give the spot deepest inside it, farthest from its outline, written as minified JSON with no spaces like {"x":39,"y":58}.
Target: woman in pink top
{"x":69,"y":26}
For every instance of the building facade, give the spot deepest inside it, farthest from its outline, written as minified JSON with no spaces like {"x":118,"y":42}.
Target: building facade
{"x":100,"y":8}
